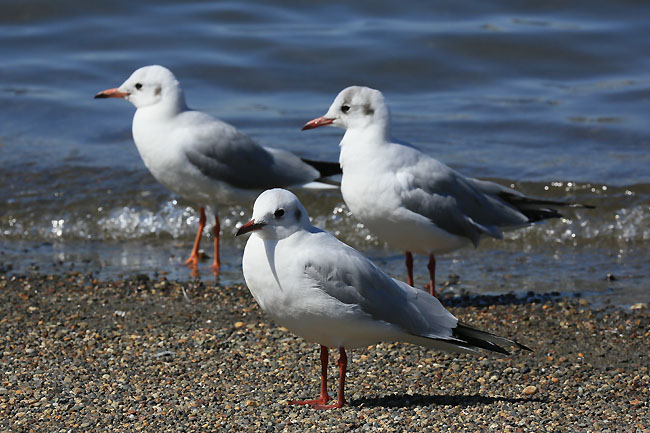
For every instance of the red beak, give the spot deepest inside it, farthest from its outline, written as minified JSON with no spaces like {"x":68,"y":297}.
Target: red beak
{"x":320,"y":121}
{"x":111,"y":93}
{"x":250,"y":226}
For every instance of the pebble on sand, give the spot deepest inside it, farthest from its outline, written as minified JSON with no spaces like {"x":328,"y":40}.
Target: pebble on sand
{"x":530,"y":390}
{"x":69,"y":364}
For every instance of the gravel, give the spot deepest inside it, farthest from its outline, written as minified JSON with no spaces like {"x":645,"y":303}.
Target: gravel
{"x":78,"y":354}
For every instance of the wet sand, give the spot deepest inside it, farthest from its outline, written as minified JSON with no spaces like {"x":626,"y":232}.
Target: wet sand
{"x":80,"y":355}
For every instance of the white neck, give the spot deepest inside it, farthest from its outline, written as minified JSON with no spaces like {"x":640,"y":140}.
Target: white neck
{"x":172,"y":105}
{"x":361,"y":144}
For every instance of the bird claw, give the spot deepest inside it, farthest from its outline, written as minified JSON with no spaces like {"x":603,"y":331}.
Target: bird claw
{"x":317,"y":402}
{"x":192,"y":261}
{"x":327,"y":406}
{"x":320,"y":403}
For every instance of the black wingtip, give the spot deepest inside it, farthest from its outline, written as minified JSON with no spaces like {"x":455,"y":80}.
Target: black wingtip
{"x":481,"y":339}
{"x":521,"y":346}
{"x":325,"y":168}
{"x":522,"y":203}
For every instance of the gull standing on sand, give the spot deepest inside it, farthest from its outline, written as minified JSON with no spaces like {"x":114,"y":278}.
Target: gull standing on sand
{"x":327,"y":292}
{"x":203,"y":159}
{"x":411,"y":200}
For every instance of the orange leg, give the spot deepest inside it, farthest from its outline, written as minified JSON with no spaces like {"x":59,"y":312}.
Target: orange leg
{"x":343,"y":366}
{"x":340,"y":400}
{"x":324,"y":396}
{"x":432,"y":274}
{"x":409,"y":267}
{"x":193,"y":261}
{"x":217,"y":261}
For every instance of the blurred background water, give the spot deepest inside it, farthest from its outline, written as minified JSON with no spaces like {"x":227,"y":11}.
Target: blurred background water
{"x":551,"y":97}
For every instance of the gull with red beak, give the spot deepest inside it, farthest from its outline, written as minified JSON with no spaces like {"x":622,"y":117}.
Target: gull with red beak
{"x":327,"y":292}
{"x":411,"y":200}
{"x":203,"y":159}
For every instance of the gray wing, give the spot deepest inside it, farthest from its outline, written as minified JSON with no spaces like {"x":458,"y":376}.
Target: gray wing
{"x":348,"y":276}
{"x":219,"y":151}
{"x":454,"y":203}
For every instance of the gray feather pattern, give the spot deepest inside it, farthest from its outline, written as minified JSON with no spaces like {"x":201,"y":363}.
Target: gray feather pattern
{"x":225,"y":154}
{"x":355,"y":280}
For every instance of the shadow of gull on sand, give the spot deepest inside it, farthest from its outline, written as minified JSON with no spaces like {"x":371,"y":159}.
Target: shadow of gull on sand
{"x":406,"y":400}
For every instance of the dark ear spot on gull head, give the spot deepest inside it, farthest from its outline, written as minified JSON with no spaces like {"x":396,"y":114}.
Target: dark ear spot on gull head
{"x":368,"y":110}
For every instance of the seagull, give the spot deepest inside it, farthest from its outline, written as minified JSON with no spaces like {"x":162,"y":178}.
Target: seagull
{"x":202,"y":159}
{"x":327,"y":292}
{"x":411,"y":200}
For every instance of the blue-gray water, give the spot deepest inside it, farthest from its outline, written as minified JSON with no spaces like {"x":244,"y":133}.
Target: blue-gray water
{"x":552,"y":97}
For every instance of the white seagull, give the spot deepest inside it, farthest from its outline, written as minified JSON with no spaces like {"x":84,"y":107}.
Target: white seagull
{"x":327,"y":292}
{"x":411,"y":200}
{"x":203,"y":159}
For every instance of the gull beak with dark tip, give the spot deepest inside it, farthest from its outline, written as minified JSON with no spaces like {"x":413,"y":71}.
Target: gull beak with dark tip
{"x":320,"y":121}
{"x":250,"y":226}
{"x":111,"y":93}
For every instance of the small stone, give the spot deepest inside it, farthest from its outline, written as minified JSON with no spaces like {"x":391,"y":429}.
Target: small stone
{"x":639,"y":306}
{"x":239,"y":325}
{"x":530,"y":390}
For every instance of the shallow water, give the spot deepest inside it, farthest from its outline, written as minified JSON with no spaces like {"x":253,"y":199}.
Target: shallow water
{"x":551,"y":98}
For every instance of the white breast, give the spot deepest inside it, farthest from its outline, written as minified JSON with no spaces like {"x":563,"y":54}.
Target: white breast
{"x":293,"y":302}
{"x":162,"y":147}
{"x":372,"y":192}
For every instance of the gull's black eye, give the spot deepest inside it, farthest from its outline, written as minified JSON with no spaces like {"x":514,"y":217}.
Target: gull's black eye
{"x":278,"y":213}
{"x":138,"y":86}
{"x":345,"y":108}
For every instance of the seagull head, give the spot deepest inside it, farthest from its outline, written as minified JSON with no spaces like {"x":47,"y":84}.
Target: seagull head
{"x":149,"y":86}
{"x":277,"y":214}
{"x":355,"y":107}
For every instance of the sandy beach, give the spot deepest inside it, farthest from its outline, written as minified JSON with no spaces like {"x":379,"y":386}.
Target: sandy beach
{"x":139,"y":354}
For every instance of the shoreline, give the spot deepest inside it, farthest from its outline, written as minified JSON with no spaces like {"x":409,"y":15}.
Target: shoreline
{"x":142,"y":354}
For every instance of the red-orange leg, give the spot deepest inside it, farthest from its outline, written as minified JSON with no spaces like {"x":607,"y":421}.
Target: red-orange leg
{"x":324,"y":396}
{"x":340,"y":400}
{"x":432,"y":274}
{"x":343,"y":367}
{"x":216,"y":265}
{"x":194,"y":257}
{"x":409,"y":267}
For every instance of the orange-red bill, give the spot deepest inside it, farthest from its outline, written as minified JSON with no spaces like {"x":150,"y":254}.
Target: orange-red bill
{"x":111,"y":93}
{"x":320,"y":121}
